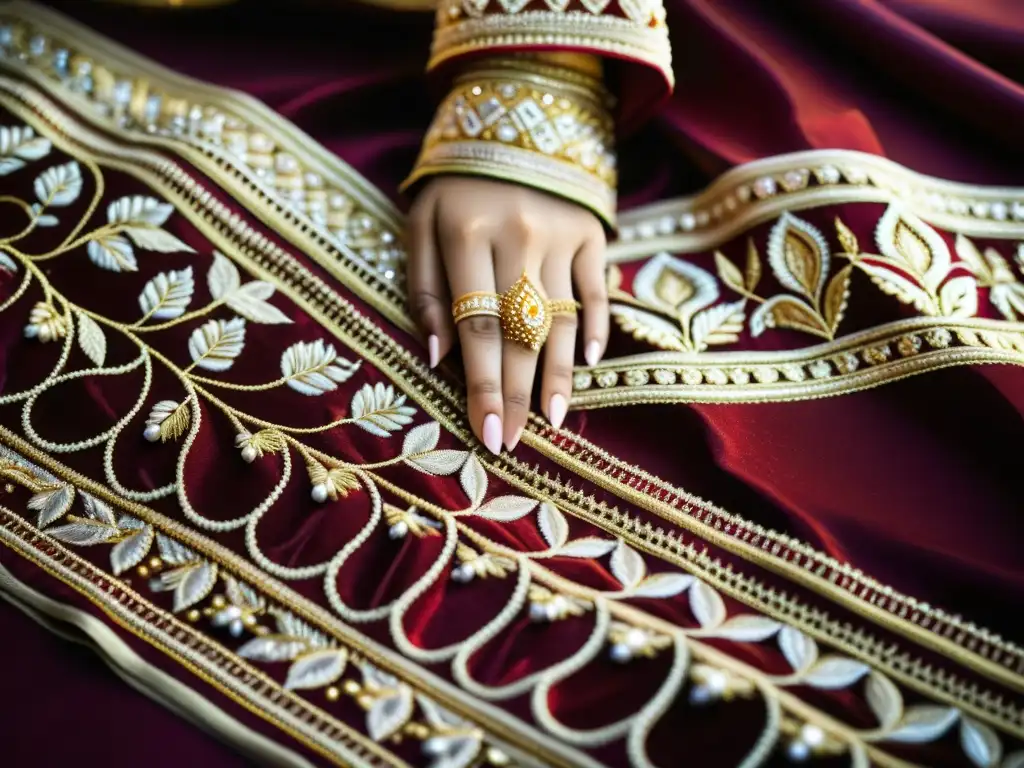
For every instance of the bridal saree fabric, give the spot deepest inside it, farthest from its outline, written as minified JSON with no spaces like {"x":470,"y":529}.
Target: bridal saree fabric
{"x":781,"y":523}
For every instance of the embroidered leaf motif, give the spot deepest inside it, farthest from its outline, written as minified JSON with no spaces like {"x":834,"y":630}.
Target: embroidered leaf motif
{"x":173,"y":553}
{"x":140,"y":218}
{"x":707,"y":605}
{"x":587,"y":547}
{"x":313,"y":367}
{"x":98,"y":510}
{"x":7,"y":264}
{"x":663,"y":585}
{"x":980,"y":743}
{"x":506,"y":509}
{"x":112,"y":252}
{"x":440,"y":462}
{"x":271,"y":648}
{"x":674,"y":286}
{"x":553,"y":525}
{"x":836,"y":296}
{"x":316,"y":669}
{"x":421,"y":439}
{"x":474,"y":480}
{"x":800,"y":650}
{"x":223,"y":277}
{"x":191,"y":583}
{"x":904,"y":289}
{"x":167,"y":295}
{"x":728,"y":272}
{"x":644,"y":326}
{"x":19,"y":144}
{"x":130,"y":552}
{"x":721,"y":324}
{"x":215,"y":345}
{"x":799,"y":256}
{"x":627,"y":565}
{"x":52,"y":504}
{"x":885,"y":700}
{"x":43,"y":219}
{"x":250,"y":301}
{"x":833,"y":672}
{"x":749,"y":628}
{"x":91,"y":339}
{"x":959,"y":297}
{"x":268,"y":441}
{"x":973,"y":259}
{"x":752,"y":274}
{"x":914,"y":246}
{"x":84,"y":533}
{"x":389,"y":712}
{"x":847,"y":239}
{"x":156,"y":239}
{"x":785,"y":311}
{"x":379,"y":410}
{"x":60,"y":185}
{"x":170,"y":418}
{"x":923,"y":723}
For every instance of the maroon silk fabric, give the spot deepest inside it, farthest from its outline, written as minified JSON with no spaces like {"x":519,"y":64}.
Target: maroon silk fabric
{"x":909,"y":482}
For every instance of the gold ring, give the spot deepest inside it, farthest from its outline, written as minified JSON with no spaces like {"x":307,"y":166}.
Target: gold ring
{"x":525,"y":316}
{"x":563,"y":307}
{"x":476,"y":303}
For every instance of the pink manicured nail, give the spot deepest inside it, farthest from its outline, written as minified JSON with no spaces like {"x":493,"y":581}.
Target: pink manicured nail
{"x":434,"y":350}
{"x":515,"y":439}
{"x":592,"y":354}
{"x":557,"y":408}
{"x":492,"y":433}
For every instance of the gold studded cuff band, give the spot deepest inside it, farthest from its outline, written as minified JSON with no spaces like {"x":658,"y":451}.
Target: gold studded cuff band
{"x":516,"y":120}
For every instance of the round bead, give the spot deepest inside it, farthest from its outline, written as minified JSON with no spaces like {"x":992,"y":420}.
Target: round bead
{"x":152,"y":433}
{"x":538,"y":612}
{"x":248,"y":454}
{"x":319,"y":493}
{"x":621,"y":653}
{"x":332,"y":694}
{"x":812,"y":735}
{"x":463,"y":574}
{"x":798,"y":751}
{"x":398,"y":530}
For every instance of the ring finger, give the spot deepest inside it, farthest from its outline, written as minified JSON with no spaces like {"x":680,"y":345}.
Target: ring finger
{"x":560,"y":349}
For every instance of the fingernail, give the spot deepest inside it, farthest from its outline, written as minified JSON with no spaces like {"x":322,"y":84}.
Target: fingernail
{"x":557,"y":408}
{"x":434,"y":350}
{"x":511,"y":445}
{"x":492,"y":433}
{"x":592,"y":354}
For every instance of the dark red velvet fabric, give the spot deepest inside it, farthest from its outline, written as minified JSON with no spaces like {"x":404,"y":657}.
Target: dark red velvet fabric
{"x":911,"y":482}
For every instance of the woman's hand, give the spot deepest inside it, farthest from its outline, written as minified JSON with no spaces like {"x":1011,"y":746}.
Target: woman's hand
{"x":472,"y":234}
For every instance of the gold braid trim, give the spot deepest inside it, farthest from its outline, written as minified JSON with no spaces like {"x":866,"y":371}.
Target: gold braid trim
{"x":531,"y":121}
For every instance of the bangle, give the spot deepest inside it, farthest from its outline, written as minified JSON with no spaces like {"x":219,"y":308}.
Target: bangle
{"x":536,"y":124}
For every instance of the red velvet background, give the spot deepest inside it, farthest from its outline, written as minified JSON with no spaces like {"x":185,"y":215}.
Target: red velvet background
{"x":911,"y":482}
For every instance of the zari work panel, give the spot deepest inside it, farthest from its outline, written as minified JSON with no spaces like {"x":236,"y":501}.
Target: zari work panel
{"x":241,"y":462}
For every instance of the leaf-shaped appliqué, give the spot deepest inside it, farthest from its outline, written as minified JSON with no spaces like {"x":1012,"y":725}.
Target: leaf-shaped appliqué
{"x":917,"y":248}
{"x":389,"y":712}
{"x":506,"y":509}
{"x":52,"y":504}
{"x":675,"y":287}
{"x":443,"y":463}
{"x":662,"y":585}
{"x":799,"y":256}
{"x":91,"y":339}
{"x":799,"y":649}
{"x":421,"y":439}
{"x":167,"y":295}
{"x":251,"y":301}
{"x":191,"y":583}
{"x":215,"y":344}
{"x":316,"y":669}
{"x":837,"y":294}
{"x":313,"y":367}
{"x":130,"y":551}
{"x":473,"y":479}
{"x":894,"y":284}
{"x":18,"y":146}
{"x":272,"y":648}
{"x":379,"y":410}
{"x":648,"y":327}
{"x":113,"y":253}
{"x":84,"y":533}
{"x":752,"y":272}
{"x":958,"y":297}
{"x":60,"y":185}
{"x":972,"y":258}
{"x":885,"y":700}
{"x":847,"y":239}
{"x":749,"y":628}
{"x":587,"y":547}
{"x":980,"y":743}
{"x":43,"y":219}
{"x":627,"y":565}
{"x":139,"y":210}
{"x":171,"y":420}
{"x":223,"y":277}
{"x":923,"y":723}
{"x":7,"y":264}
{"x":553,"y":525}
{"x":173,"y":552}
{"x":728,"y":272}
{"x":156,"y":239}
{"x":785,"y":311}
{"x":722,"y":324}
{"x":98,"y":510}
{"x":707,"y":605}
{"x":833,"y":672}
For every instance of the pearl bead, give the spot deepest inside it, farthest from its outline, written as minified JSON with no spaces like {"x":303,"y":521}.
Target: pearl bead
{"x":332,"y":693}
{"x":398,"y":530}
{"x":152,"y":433}
{"x":538,"y":612}
{"x":812,"y":735}
{"x":798,"y":751}
{"x":717,"y":682}
{"x":319,"y":493}
{"x":700,"y":694}
{"x":621,"y":653}
{"x":248,"y":454}
{"x":463,"y":574}
{"x":636,"y":638}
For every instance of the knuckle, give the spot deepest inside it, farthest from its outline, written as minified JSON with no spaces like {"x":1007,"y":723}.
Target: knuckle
{"x":558,"y":371}
{"x":424,"y":304}
{"x":565,"y":322}
{"x":524,"y":225}
{"x":595,"y":296}
{"x":517,"y":399}
{"x":482,"y":328}
{"x":486,"y":387}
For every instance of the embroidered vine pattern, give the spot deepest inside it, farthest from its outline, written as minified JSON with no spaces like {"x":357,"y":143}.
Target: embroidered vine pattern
{"x":797,"y":254}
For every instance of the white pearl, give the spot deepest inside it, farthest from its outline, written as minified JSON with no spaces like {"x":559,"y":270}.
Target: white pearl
{"x":398,"y":530}
{"x":463,"y":574}
{"x":538,"y":612}
{"x":636,"y":638}
{"x":798,"y":751}
{"x":812,"y":735}
{"x":319,"y":493}
{"x":621,"y":653}
{"x":717,"y":682}
{"x":152,"y":433}
{"x":248,"y":454}
{"x":700,"y":694}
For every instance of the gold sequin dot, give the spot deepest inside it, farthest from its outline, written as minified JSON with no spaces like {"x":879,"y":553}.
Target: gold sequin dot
{"x":218,"y":602}
{"x":497,"y":757}
{"x":333,"y":694}
{"x":352,"y":687}
{"x":143,"y":571}
{"x":156,"y":562}
{"x":193,"y":615}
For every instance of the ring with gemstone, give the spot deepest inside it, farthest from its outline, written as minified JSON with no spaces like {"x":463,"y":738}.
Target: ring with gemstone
{"x":476,"y":303}
{"x":525,"y":314}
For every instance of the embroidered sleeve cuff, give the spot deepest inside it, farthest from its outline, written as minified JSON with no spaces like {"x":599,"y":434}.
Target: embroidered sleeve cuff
{"x":518,"y":120}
